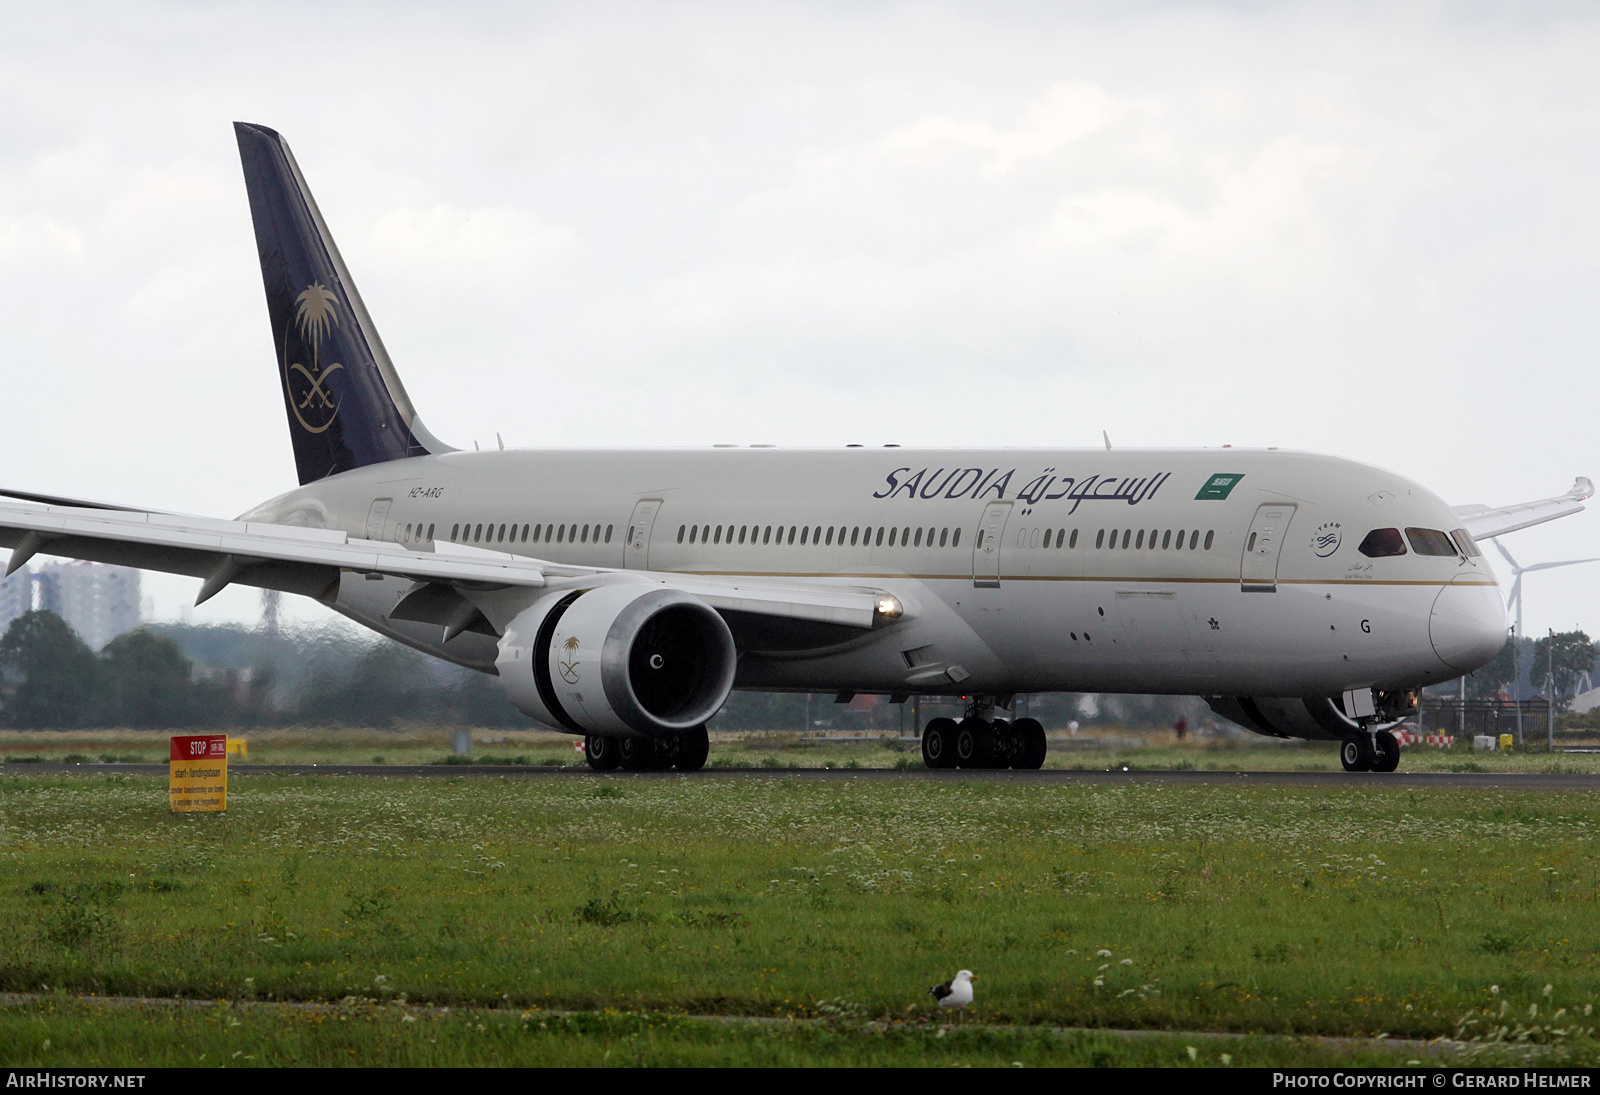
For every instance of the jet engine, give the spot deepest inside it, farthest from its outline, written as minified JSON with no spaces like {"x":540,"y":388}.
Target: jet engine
{"x":622,"y":660}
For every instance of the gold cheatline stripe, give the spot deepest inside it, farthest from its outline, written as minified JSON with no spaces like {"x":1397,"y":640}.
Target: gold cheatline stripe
{"x":1064,"y":578}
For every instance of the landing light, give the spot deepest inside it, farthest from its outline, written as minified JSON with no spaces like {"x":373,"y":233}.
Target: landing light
{"x":889,"y":607}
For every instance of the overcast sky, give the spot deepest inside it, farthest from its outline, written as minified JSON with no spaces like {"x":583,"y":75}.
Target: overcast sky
{"x":1367,"y":230}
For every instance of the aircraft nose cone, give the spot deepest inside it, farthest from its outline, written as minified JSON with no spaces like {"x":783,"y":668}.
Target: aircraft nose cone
{"x":1468,"y":622}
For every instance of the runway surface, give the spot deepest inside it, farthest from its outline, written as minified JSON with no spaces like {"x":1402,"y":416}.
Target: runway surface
{"x":1407,"y":781}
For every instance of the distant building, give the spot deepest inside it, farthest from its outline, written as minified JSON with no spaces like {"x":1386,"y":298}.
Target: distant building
{"x":98,"y":602}
{"x":1582,"y":703}
{"x":16,"y":596}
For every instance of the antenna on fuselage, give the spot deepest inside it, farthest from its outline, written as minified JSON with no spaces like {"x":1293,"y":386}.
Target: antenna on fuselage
{"x":1107,"y":436}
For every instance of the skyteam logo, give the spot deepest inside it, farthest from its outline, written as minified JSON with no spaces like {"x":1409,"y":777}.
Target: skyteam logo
{"x":314,"y":405}
{"x":1325,"y":541}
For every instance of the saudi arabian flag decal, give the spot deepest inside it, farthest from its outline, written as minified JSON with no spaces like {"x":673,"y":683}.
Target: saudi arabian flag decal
{"x":1217,"y":487}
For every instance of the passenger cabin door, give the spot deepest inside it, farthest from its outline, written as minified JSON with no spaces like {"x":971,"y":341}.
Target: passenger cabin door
{"x":1258,"y":570}
{"x":377,"y":517}
{"x":986,"y":545}
{"x":636,"y":551}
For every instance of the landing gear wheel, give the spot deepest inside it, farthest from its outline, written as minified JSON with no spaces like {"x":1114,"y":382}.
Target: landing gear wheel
{"x":693,"y":749}
{"x":974,"y":743}
{"x":1030,"y":734}
{"x":602,"y":754}
{"x":642,"y":755}
{"x":1386,"y":758}
{"x":1356,"y":755}
{"x":939,"y":743}
{"x":1002,"y":744}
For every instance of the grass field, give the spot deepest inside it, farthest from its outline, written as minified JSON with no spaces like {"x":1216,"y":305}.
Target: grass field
{"x":65,"y":1032}
{"x":1345,"y":912}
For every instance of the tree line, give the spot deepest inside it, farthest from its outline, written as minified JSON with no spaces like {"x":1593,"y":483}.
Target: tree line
{"x":1525,"y":666}
{"x":180,"y":676}
{"x":149,"y":678}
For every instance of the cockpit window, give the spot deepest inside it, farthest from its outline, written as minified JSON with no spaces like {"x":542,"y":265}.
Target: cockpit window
{"x":1382,"y":543}
{"x":1469,"y":547}
{"x":1430,"y":541}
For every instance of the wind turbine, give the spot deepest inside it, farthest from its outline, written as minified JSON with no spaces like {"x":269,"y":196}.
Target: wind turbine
{"x":1517,"y":571}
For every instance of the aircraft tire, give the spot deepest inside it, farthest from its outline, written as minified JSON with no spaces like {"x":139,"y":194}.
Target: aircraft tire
{"x":602,"y":754}
{"x":636,"y":754}
{"x":1388,"y":754}
{"x":1004,"y":745}
{"x":692,"y":750}
{"x":939,"y":743}
{"x":1355,"y":754}
{"x":1033,"y":746}
{"x":974,"y":743}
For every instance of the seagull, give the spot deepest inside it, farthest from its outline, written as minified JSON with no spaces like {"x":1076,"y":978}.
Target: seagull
{"x":955,"y":993}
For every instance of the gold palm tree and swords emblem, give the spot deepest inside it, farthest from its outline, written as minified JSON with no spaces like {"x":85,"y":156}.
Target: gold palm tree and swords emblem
{"x":316,"y":316}
{"x":567,"y":664}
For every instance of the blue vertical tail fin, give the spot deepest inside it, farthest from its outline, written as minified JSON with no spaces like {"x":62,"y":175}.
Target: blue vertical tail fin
{"x":346,"y":406}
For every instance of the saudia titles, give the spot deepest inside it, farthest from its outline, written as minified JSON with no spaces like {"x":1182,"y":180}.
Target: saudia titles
{"x":1046,"y":487}
{"x":313,"y":405}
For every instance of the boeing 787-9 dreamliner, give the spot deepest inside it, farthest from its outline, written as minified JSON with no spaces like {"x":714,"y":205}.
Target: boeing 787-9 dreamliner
{"x":620,"y":595}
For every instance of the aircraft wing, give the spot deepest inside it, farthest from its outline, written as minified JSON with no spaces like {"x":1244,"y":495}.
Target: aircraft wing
{"x":309,"y":561}
{"x":1484,"y":523}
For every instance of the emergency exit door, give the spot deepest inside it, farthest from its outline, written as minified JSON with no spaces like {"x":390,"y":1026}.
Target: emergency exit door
{"x":378,"y":517}
{"x":1263,"y":546}
{"x":986,"y":546}
{"x":636,"y":550}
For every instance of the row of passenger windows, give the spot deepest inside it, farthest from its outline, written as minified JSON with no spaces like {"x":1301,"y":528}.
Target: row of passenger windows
{"x":821,"y":535}
{"x":1135,"y":538}
{"x":829,"y":535}
{"x":1119,"y":538}
{"x":540,"y":534}
{"x":1382,"y":543}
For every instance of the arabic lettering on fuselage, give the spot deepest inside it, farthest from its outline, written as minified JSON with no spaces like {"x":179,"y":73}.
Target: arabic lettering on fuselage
{"x":979,"y":483}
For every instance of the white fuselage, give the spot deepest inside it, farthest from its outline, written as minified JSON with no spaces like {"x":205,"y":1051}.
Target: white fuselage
{"x":1026,"y":570}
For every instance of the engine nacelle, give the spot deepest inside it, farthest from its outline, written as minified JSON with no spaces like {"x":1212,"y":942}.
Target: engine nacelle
{"x":620,"y":660}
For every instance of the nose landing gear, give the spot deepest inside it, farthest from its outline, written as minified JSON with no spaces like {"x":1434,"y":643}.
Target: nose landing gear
{"x":1370,"y":751}
{"x":1366,"y":748}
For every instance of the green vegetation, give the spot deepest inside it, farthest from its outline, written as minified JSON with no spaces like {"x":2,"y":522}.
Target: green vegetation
{"x":176,"y":676}
{"x":64,"y":1032}
{"x":1348,"y":912}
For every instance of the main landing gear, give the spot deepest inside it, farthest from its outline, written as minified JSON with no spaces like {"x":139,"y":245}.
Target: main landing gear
{"x":1369,"y":751}
{"x":982,"y":741}
{"x":686,"y":752}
